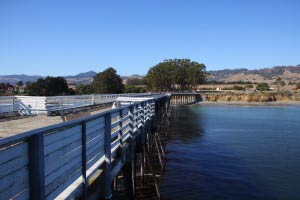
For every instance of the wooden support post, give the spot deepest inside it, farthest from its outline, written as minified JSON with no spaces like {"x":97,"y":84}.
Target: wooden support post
{"x":128,"y":173}
{"x":160,"y":145}
{"x":36,"y":167}
{"x":107,"y":150}
{"x":153,"y":175}
{"x":142,"y":165}
{"x":115,"y":184}
{"x":83,"y":159}
{"x":144,"y":141}
{"x":159,"y":154}
{"x":133,"y":176}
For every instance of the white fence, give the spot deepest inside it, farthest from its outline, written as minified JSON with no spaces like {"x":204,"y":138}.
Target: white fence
{"x":27,"y":105}
{"x":7,"y":104}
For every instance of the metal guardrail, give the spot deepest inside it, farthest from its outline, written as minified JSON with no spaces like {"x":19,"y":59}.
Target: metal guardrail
{"x":59,"y":161}
{"x":7,"y":104}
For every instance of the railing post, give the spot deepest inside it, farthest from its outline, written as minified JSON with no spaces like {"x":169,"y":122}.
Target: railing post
{"x":121,"y":126}
{"x":137,"y":115}
{"x":107,"y":149}
{"x":93,"y":99}
{"x":83,"y":159}
{"x":143,"y":120}
{"x":13,"y":104}
{"x":60,"y":103}
{"x":36,"y":167}
{"x":131,"y":119}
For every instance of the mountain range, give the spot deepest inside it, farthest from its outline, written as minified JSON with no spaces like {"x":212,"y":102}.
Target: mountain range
{"x":287,"y":73}
{"x":82,"y":78}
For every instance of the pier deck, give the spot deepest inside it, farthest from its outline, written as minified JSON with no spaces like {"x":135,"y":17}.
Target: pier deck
{"x":61,"y":161}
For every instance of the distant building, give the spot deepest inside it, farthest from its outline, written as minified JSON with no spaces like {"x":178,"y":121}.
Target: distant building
{"x":8,"y":89}
{"x":20,"y":89}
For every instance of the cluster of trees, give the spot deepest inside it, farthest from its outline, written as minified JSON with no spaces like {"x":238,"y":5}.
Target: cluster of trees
{"x":169,"y":75}
{"x":135,"y":85}
{"x":263,"y":87}
{"x":135,"y":81}
{"x":214,"y":82}
{"x":174,"y":74}
{"x":20,"y":83}
{"x":49,"y":86}
{"x":298,"y":86}
{"x":279,"y":82}
{"x":106,"y":82}
{"x":134,"y":89}
{"x":9,"y":89}
{"x":5,"y":86}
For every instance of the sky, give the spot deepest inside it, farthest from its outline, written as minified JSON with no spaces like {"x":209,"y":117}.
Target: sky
{"x":60,"y":37}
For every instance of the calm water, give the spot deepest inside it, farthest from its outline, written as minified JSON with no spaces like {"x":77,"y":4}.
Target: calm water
{"x":233,"y":152}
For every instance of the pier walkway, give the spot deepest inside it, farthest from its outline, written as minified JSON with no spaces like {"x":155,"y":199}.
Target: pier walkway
{"x":66,"y":160}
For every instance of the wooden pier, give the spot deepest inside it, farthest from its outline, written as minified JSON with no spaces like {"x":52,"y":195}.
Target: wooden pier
{"x":178,"y":99}
{"x":82,"y":159}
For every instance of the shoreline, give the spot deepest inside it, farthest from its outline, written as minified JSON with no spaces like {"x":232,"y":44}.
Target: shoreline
{"x":271,"y":103}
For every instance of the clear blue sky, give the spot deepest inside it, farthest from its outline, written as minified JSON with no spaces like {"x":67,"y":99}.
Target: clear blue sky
{"x":59,"y":37}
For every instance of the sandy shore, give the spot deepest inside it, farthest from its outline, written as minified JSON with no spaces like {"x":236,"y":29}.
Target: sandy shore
{"x":277,"y":103}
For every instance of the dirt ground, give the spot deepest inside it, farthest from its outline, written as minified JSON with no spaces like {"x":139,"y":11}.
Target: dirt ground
{"x":19,"y":125}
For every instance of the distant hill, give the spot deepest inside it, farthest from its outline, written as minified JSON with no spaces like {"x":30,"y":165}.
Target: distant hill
{"x":13,"y":79}
{"x":125,"y":78}
{"x":89,"y":74}
{"x":82,"y":78}
{"x":287,"y":73}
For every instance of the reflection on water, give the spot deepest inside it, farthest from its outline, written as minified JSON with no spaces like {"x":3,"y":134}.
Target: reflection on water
{"x":233,"y":152}
{"x":181,"y":118}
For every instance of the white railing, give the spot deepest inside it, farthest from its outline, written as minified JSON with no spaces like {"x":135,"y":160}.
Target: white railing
{"x":59,"y":161}
{"x":7,"y":104}
{"x":27,"y":105}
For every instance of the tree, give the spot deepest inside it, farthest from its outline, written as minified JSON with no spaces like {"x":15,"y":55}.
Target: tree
{"x":20,"y":83}
{"x":173,"y":73}
{"x":263,"y":87}
{"x":134,"y":89}
{"x":50,"y":86}
{"x":236,"y":87}
{"x":279,"y":82}
{"x":135,"y":81}
{"x":4,"y":87}
{"x":84,"y":89}
{"x":108,"y":82}
{"x":195,"y":75}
